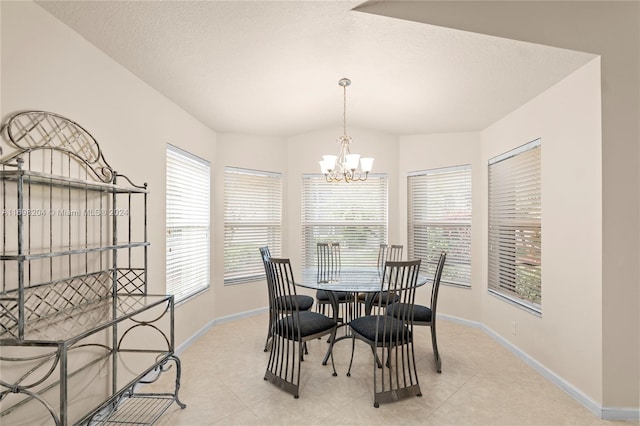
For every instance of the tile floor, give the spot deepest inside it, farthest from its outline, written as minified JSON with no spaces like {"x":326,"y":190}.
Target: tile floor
{"x":482,"y":383}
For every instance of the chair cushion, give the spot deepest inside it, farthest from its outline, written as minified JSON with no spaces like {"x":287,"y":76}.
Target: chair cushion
{"x":304,"y":302}
{"x":395,"y":331}
{"x":420,"y":313}
{"x":323,"y":295}
{"x":311,"y":323}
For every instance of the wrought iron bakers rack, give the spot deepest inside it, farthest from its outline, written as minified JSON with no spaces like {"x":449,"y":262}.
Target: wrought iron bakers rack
{"x":78,"y":331}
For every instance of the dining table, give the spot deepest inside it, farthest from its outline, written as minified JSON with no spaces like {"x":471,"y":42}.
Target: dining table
{"x":353,"y":281}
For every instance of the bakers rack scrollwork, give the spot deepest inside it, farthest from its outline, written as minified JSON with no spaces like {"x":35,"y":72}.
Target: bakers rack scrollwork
{"x":29,"y":131}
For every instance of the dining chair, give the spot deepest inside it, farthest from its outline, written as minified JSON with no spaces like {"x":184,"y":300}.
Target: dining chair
{"x":395,"y":377}
{"x":385,"y":253}
{"x":292,"y":328}
{"x":423,"y":315}
{"x":304,"y":302}
{"x":329,"y":267}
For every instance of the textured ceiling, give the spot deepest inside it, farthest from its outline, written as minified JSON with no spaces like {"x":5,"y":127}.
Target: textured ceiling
{"x":272,"y":67}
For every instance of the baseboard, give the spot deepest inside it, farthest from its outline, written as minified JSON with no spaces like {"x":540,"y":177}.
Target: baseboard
{"x":214,"y":322}
{"x":621,"y":414}
{"x":606,"y":413}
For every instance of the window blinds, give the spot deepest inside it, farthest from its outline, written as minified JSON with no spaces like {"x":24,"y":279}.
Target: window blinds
{"x":187,"y":223}
{"x":439,"y":219}
{"x":252,"y":219}
{"x":515,"y":230}
{"x":353,"y":214}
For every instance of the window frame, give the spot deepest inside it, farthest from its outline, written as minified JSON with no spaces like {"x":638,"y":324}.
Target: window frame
{"x":431,"y":211}
{"x":524,"y":221}
{"x":197,"y":214}
{"x":245,"y":189}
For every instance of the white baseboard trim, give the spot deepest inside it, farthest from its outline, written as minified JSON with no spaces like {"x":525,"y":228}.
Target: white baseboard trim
{"x":620,"y":413}
{"x":214,"y":322}
{"x":606,"y":413}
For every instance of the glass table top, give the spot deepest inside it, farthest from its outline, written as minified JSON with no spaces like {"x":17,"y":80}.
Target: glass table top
{"x":361,"y":280}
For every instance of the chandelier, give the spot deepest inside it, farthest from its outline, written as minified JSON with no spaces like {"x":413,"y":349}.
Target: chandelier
{"x":345,"y":166}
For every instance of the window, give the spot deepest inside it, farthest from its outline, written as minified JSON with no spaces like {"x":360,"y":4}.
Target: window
{"x":439,"y":219}
{"x":187,"y":210}
{"x":252,"y":219}
{"x":353,"y":214}
{"x":515,"y":230}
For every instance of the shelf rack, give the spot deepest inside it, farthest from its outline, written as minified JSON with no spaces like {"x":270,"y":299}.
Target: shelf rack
{"x":78,"y":330}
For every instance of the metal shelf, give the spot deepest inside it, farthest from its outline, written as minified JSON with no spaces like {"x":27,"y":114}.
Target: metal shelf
{"x":75,"y":324}
{"x":138,"y":409}
{"x":42,"y":254}
{"x":37,"y":178}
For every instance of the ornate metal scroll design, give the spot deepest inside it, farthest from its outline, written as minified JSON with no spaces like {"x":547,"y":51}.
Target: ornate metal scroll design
{"x":131,"y":304}
{"x":33,"y":130}
{"x":20,"y":386}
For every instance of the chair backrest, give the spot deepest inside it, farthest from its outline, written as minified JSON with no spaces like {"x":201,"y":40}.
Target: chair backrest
{"x":395,"y":252}
{"x":386,"y":252}
{"x":382,"y":256}
{"x":282,"y":289}
{"x":264,"y":252}
{"x":398,"y":285}
{"x":436,"y":285}
{"x":328,"y":260}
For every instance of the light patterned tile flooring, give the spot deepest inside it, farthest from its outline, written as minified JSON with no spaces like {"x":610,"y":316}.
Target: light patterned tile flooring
{"x":482,"y":383}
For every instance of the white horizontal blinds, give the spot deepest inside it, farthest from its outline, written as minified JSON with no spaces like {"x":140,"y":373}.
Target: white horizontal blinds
{"x":515,"y":229}
{"x":252,"y":219}
{"x":187,"y":223}
{"x":439,"y":219}
{"x":353,"y":214}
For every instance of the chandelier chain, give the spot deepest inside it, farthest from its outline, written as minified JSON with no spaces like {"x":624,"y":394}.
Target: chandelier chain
{"x":344,"y":111}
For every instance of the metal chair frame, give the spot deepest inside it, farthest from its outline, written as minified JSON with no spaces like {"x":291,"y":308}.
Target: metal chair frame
{"x":329,"y":267}
{"x":266,"y":255}
{"x":290,"y":328}
{"x":395,"y":377}
{"x":433,"y":307}
{"x":385,"y":253}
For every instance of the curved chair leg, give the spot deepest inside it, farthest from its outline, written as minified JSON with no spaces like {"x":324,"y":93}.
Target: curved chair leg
{"x":434,"y":343}
{"x":333,"y":338}
{"x":353,"y":348}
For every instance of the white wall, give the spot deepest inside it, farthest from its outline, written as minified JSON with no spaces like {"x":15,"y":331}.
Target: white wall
{"x":47,"y":66}
{"x":567,"y":338}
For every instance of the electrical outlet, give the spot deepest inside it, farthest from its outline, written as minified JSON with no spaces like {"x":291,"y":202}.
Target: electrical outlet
{"x":513,"y":327}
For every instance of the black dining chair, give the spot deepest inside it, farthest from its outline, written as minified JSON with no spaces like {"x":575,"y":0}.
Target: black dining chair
{"x":329,"y":267}
{"x":423,"y":315}
{"x":395,"y":376}
{"x":304,"y":302}
{"x":385,"y":253}
{"x":292,"y":327}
